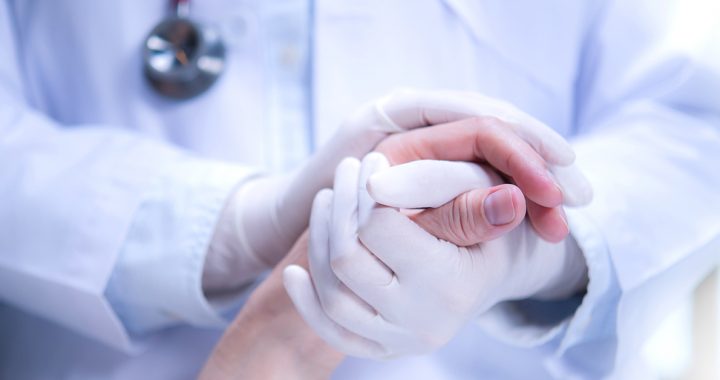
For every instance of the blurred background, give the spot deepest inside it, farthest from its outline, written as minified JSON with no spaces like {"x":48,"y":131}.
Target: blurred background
{"x":687,"y":344}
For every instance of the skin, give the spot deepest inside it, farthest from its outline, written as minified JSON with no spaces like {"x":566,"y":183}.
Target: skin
{"x":269,"y":340}
{"x":486,"y":140}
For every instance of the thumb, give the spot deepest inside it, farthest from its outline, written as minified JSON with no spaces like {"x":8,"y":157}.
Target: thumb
{"x":428,"y":183}
{"x":465,"y":207}
{"x":476,"y":216}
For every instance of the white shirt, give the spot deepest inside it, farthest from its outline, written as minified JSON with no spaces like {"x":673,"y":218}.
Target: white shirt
{"x":96,"y":167}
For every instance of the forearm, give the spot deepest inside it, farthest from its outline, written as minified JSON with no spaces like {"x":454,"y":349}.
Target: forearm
{"x":246,"y":352}
{"x":269,"y":340}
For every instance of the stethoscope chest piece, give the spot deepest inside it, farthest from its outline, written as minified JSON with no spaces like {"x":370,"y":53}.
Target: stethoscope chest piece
{"x":183,"y":59}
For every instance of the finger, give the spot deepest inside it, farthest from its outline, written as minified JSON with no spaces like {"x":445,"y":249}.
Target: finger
{"x":477,"y":216}
{"x":300,"y":289}
{"x":428,"y":183}
{"x":550,"y":223}
{"x":336,"y":299}
{"x":337,"y":302}
{"x":351,"y":262}
{"x":319,"y":244}
{"x":479,"y":139}
{"x":576,"y":189}
{"x":411,"y":109}
{"x":371,"y":164}
{"x":344,"y":216}
{"x":346,"y":251}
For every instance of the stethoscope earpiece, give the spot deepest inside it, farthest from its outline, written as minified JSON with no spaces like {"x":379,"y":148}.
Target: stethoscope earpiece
{"x":182,"y":59}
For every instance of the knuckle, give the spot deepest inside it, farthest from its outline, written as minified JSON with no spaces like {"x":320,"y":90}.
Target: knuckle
{"x":462,"y":219}
{"x":509,"y":160}
{"x":389,"y":144}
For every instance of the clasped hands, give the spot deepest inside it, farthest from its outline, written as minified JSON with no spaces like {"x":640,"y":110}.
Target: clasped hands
{"x":383,"y":280}
{"x":401,"y":257}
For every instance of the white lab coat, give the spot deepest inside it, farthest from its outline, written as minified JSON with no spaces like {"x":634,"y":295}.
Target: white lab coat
{"x":84,"y":142}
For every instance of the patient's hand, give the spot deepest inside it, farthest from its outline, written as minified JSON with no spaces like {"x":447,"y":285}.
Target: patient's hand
{"x":492,"y":142}
{"x":268,"y":339}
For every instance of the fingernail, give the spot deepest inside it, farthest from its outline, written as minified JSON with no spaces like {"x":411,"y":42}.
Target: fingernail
{"x":499,"y":208}
{"x":564,"y":218}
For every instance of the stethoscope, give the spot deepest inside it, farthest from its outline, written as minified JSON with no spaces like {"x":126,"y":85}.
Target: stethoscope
{"x":182,"y":58}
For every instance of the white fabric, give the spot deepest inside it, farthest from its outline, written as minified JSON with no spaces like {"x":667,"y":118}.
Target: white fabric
{"x":626,"y":81}
{"x":75,"y":174}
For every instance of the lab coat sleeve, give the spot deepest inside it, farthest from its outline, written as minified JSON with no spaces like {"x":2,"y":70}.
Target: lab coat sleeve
{"x":648,"y":121}
{"x":82,"y":203}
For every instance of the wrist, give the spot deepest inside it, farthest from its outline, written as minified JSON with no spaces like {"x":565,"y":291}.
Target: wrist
{"x":230,"y":262}
{"x":269,"y":339}
{"x":256,"y":357}
{"x":292,"y":351}
{"x":263,"y":219}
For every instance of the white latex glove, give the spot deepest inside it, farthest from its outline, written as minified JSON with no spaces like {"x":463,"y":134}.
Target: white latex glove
{"x":266,"y":215}
{"x":382,"y":286}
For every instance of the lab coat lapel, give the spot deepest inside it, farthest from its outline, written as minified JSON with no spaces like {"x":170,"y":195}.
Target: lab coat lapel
{"x":536,"y":46}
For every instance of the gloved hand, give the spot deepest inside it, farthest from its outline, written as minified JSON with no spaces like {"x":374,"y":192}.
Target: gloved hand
{"x":382,"y":286}
{"x":266,"y":215}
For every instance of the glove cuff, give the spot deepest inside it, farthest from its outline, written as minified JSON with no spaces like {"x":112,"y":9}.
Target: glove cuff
{"x":235,"y":252}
